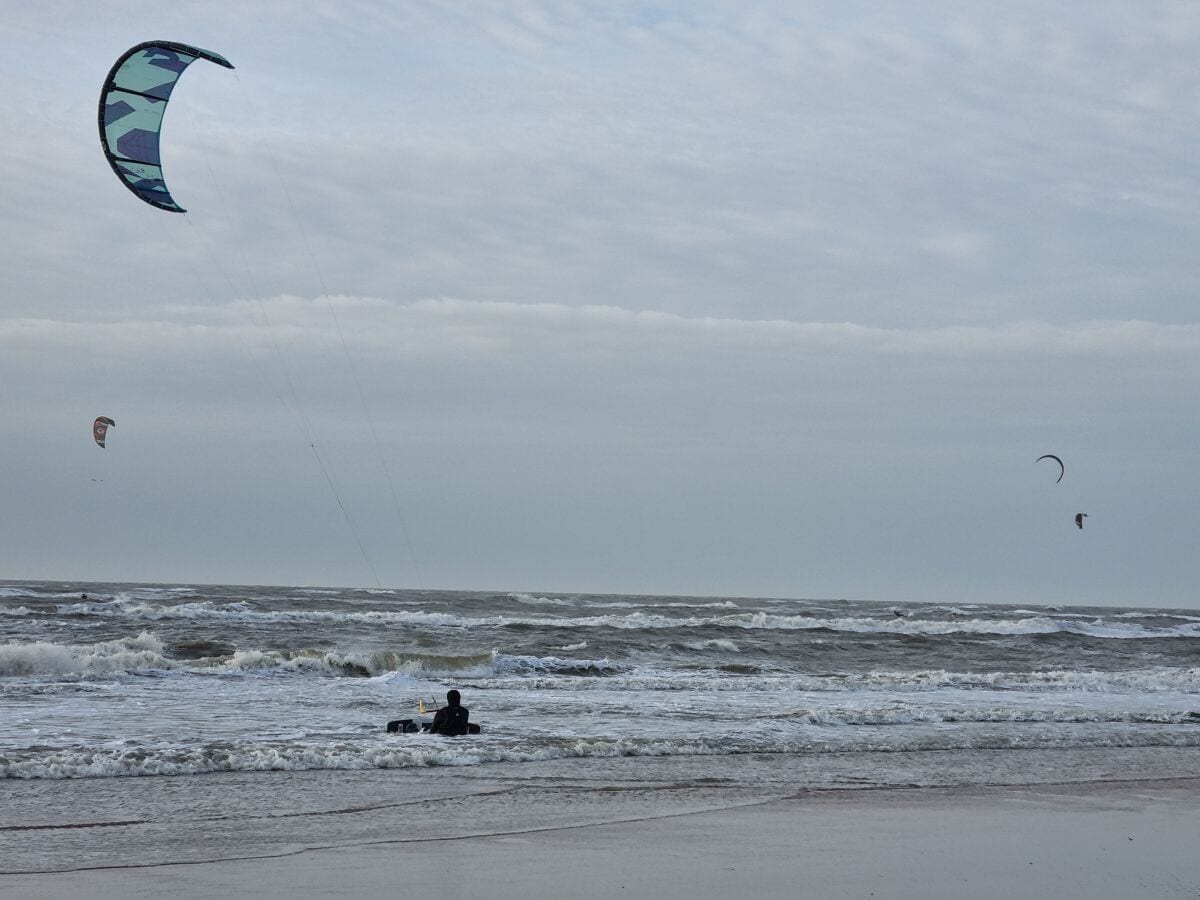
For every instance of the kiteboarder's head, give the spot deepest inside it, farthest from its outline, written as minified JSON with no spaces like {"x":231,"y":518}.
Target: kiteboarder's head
{"x":452,"y":697}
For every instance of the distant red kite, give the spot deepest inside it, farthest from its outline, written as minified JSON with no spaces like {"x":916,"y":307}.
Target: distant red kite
{"x":100,"y":429}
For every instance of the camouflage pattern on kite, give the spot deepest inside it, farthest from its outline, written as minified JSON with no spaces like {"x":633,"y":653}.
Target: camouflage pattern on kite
{"x":132,"y":104}
{"x":100,"y":428}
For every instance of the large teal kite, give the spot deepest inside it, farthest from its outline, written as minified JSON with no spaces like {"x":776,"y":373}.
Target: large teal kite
{"x":132,"y":104}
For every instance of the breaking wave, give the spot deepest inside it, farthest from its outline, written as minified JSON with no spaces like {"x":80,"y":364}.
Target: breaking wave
{"x":715,"y":644}
{"x":420,"y":751}
{"x":245,"y":613}
{"x":1148,"y":681}
{"x":146,"y":653}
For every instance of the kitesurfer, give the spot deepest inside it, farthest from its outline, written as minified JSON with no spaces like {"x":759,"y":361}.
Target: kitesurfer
{"x":451,"y":719}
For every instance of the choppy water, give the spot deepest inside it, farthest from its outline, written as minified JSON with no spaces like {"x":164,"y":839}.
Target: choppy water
{"x":170,"y":680}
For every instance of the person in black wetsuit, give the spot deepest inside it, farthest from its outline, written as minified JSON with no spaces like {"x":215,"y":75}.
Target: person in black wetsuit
{"x":452,"y":718}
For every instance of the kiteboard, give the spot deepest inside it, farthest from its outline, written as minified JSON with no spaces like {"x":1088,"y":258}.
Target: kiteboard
{"x":411,"y":726}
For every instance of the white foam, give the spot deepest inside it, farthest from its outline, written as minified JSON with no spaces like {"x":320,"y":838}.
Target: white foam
{"x":1139,"y":681}
{"x":1155,"y":614}
{"x":780,"y":736}
{"x":408,"y":752}
{"x":715,"y":644}
{"x":145,"y":652}
{"x":541,"y":601}
{"x":242,"y":612}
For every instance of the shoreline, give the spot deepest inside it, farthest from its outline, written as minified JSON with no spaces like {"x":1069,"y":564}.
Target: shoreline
{"x":1095,"y":839}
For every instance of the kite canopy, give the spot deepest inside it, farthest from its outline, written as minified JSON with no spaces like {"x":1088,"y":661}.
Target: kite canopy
{"x":1062,"y":470}
{"x":100,"y":428}
{"x":132,"y":104}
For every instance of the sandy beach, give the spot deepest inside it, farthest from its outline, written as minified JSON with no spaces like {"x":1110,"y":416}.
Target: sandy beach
{"x":1114,"y":839}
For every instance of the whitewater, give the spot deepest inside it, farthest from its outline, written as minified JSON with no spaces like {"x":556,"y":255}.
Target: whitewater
{"x":99,"y":681}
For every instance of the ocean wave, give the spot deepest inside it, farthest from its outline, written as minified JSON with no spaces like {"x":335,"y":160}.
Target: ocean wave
{"x":700,"y":604}
{"x":413,"y":751}
{"x":398,"y":753}
{"x":1155,"y":614}
{"x":713,"y":644}
{"x":526,"y":665}
{"x":333,"y":663}
{"x":147,"y":653}
{"x":143,"y":653}
{"x":542,"y":601}
{"x":927,"y":714}
{"x":1034,"y":625}
{"x":1149,"y":681}
{"x":597,"y":603}
{"x":243,"y":612}
{"x":42,"y":595}
{"x":943,"y":610}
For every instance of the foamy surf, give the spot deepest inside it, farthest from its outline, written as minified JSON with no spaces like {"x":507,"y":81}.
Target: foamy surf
{"x":155,"y":680}
{"x":244,"y":613}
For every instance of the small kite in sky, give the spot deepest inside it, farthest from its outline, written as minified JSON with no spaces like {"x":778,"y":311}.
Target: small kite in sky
{"x":1062,"y":470}
{"x":100,"y":428}
{"x":1079,"y":517}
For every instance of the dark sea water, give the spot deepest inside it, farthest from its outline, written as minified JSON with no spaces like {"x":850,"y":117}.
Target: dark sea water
{"x":163,"y":680}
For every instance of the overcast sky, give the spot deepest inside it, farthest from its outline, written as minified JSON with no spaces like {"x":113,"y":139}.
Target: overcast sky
{"x":709,"y":298}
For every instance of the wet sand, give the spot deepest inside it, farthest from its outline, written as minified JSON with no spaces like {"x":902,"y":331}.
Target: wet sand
{"x":1119,"y":840}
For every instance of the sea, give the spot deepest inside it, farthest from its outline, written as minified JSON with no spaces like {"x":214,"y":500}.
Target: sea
{"x":119,"y":700}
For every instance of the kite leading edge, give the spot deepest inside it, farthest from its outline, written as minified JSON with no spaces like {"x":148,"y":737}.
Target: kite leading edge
{"x":1062,"y":470}
{"x":132,"y":103}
